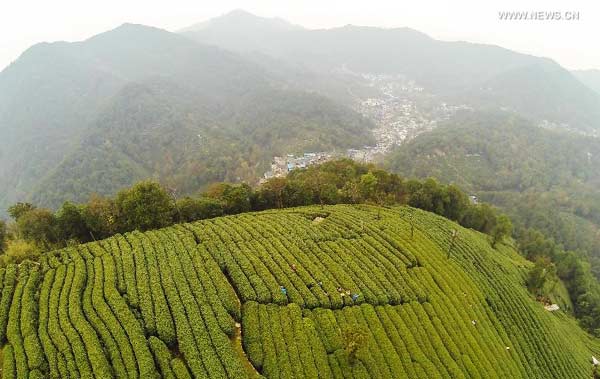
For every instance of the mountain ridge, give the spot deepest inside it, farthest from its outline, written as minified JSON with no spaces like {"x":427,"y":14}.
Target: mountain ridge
{"x":455,"y":70}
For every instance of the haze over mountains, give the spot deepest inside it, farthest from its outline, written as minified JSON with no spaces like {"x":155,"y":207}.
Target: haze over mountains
{"x":485,"y":75}
{"x":356,"y":202}
{"x":220,"y":99}
{"x":105,"y":101}
{"x":590,"y":78}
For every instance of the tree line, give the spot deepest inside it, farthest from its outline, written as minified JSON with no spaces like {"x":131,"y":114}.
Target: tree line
{"x":552,"y":261}
{"x":148,"y":205}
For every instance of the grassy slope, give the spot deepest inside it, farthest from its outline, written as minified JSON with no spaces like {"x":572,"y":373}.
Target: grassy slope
{"x":113,"y":306}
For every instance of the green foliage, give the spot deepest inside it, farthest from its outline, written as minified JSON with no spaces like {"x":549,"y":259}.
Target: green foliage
{"x":3,"y":235}
{"x":9,"y":370}
{"x":431,"y":196}
{"x":38,"y":225}
{"x":543,"y":179}
{"x":189,"y":209}
{"x":533,"y":244}
{"x":144,"y":206}
{"x":543,"y":272}
{"x":367,"y":185}
{"x":8,"y":287}
{"x":481,"y":217}
{"x":502,"y":228}
{"x":235,"y":198}
{"x":162,"y":355}
{"x":18,"y":251}
{"x":70,"y":223}
{"x":164,"y":303}
{"x":101,"y":217}
{"x":19,"y":209}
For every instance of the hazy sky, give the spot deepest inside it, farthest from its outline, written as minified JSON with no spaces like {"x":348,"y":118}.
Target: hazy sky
{"x":574,"y":44}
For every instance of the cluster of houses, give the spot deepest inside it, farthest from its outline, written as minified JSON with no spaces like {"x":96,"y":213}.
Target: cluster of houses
{"x":397,"y":118}
{"x":281,"y":166}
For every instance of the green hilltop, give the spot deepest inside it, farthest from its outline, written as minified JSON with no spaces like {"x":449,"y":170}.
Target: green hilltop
{"x":313,"y":292}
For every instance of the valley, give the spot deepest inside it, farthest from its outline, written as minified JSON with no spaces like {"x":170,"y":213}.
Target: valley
{"x":401,"y":111}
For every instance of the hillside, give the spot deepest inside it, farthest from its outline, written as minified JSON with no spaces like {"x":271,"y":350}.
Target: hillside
{"x":103,"y":100}
{"x":158,"y":130}
{"x":167,"y":303}
{"x":544,"y":179}
{"x":499,"y":151}
{"x":461,"y":72}
{"x":590,"y":78}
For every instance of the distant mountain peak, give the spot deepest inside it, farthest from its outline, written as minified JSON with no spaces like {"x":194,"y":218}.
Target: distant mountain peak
{"x":240,"y":13}
{"x":130,"y":28}
{"x":241,"y":18}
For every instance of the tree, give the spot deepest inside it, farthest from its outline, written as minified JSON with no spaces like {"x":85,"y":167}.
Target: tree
{"x":354,"y":341}
{"x":100,"y":216}
{"x":235,"y":198}
{"x":144,"y":206}
{"x":368,"y":186}
{"x":71,"y":224}
{"x":390,"y":188}
{"x":456,"y":204}
{"x":502,"y":228}
{"x":19,"y":209}
{"x":198,"y":209}
{"x":296,"y":193}
{"x":543,"y":272}
{"x":271,"y":194}
{"x":479,"y":217}
{"x":38,"y":225}
{"x":3,"y":235}
{"x":323,"y":186}
{"x":532,"y":243}
{"x":428,"y":195}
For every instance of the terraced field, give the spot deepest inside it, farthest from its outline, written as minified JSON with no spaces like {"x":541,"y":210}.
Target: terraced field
{"x":170,"y":303}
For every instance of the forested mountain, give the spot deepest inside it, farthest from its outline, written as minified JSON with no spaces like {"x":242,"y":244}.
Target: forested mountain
{"x":157,"y":130}
{"x":545,"y":179}
{"x":138,"y":101}
{"x":142,"y":102}
{"x":481,"y":75}
{"x":241,"y":30}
